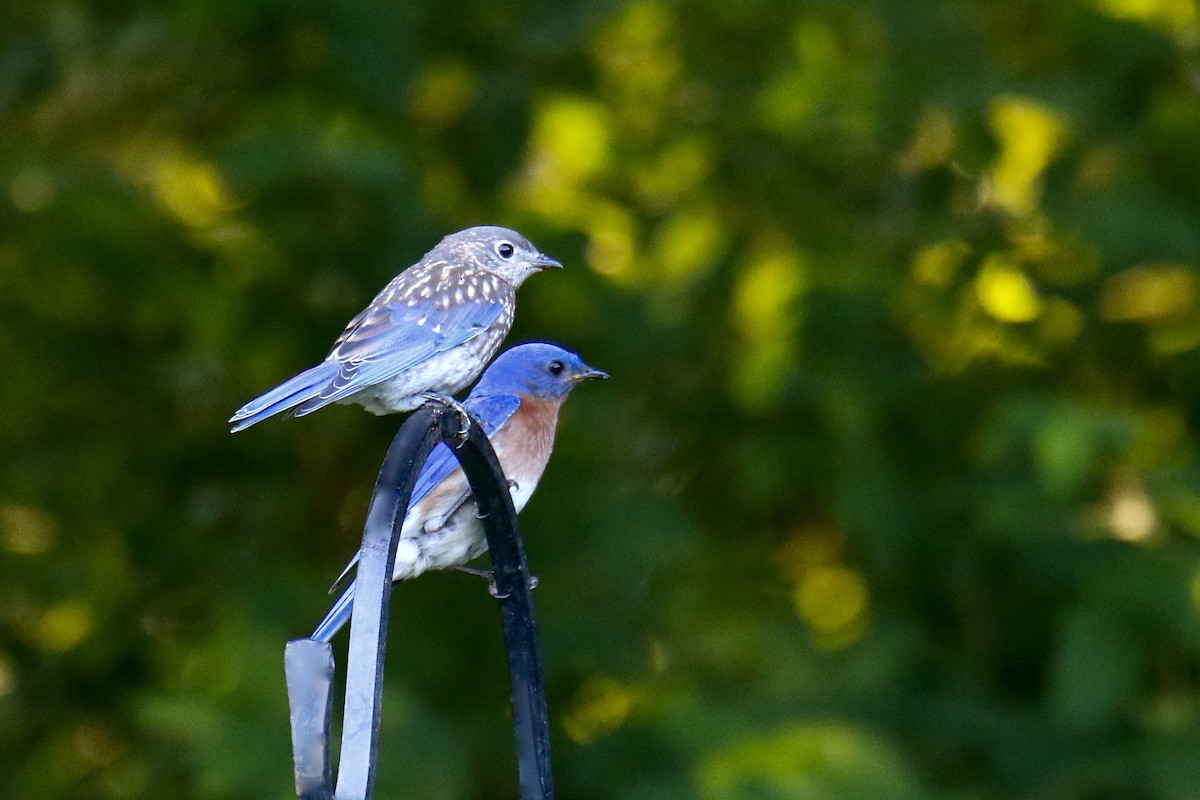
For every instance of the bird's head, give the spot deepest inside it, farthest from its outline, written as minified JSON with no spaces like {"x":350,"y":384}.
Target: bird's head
{"x":500,"y":251}
{"x":542,"y":370}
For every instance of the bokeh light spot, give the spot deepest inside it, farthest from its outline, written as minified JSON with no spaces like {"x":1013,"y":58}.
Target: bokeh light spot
{"x":1029,"y":135}
{"x":1004,"y":291}
{"x":1170,"y":14}
{"x":831,"y":598}
{"x":574,"y":133}
{"x":766,"y":305}
{"x":640,"y":63}
{"x":690,"y":241}
{"x":569,"y":145}
{"x":936,"y":264}
{"x":1131,"y":516}
{"x":1148,"y":293}
{"x":612,"y":241}
{"x":600,"y":706}
{"x":190,"y":189}
{"x":27,"y":531}
{"x":64,"y":626}
{"x":823,"y":760}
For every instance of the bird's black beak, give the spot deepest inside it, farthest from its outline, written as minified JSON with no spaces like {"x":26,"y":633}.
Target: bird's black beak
{"x":590,"y":373}
{"x":544,"y":261}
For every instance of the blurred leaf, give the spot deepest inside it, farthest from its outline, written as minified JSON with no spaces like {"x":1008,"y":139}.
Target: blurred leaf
{"x":829,"y":760}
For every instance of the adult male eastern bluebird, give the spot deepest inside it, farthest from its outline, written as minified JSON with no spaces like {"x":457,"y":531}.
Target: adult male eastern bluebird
{"x":428,"y":334}
{"x":517,"y":403}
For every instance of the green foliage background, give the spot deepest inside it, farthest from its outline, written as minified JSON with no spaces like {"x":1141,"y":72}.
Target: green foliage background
{"x":894,"y":492}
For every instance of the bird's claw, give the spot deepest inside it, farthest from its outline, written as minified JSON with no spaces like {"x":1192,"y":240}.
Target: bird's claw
{"x":532,"y":584}
{"x":512,"y":487}
{"x":464,"y":416}
{"x":487,"y":574}
{"x":490,"y":576}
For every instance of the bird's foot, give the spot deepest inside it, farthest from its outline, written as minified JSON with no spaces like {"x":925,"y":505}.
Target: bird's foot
{"x":490,"y":576}
{"x":486,"y":574}
{"x":464,"y":416}
{"x":512,"y":487}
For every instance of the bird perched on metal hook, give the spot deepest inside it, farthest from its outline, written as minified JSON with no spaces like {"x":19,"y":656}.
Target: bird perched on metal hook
{"x":517,"y":402}
{"x":429,"y":333}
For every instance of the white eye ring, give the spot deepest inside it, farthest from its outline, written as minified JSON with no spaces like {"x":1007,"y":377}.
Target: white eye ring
{"x":505,"y":250}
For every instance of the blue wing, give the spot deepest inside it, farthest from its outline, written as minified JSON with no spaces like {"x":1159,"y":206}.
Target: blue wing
{"x":492,"y":411}
{"x":391,"y":336}
{"x":293,"y":391}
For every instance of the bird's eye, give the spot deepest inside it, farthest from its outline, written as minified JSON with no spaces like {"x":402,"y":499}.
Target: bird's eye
{"x":505,"y":250}
{"x":556,"y":367}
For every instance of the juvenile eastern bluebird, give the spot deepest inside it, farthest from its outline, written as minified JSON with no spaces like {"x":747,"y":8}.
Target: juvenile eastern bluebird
{"x":429,"y":333}
{"x":517,"y":403}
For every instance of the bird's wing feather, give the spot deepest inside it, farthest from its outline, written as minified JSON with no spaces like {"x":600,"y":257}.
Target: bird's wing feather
{"x":404,"y":327}
{"x":290,"y":393}
{"x":492,"y":411}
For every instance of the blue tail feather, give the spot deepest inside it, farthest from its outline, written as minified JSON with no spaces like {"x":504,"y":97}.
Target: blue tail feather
{"x":285,"y":396}
{"x":338,"y":616}
{"x":313,"y":403}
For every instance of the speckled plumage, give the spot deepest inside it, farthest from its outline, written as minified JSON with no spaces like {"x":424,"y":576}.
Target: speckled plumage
{"x":431,"y":329}
{"x":517,"y":401}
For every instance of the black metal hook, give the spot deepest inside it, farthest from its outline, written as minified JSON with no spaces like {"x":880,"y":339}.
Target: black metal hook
{"x":309,"y":664}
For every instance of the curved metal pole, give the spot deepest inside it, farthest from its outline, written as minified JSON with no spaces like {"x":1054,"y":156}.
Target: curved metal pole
{"x":510,"y":569}
{"x":309,"y":664}
{"x":373,"y":587}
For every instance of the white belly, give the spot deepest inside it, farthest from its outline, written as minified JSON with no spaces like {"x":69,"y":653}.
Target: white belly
{"x":459,"y":540}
